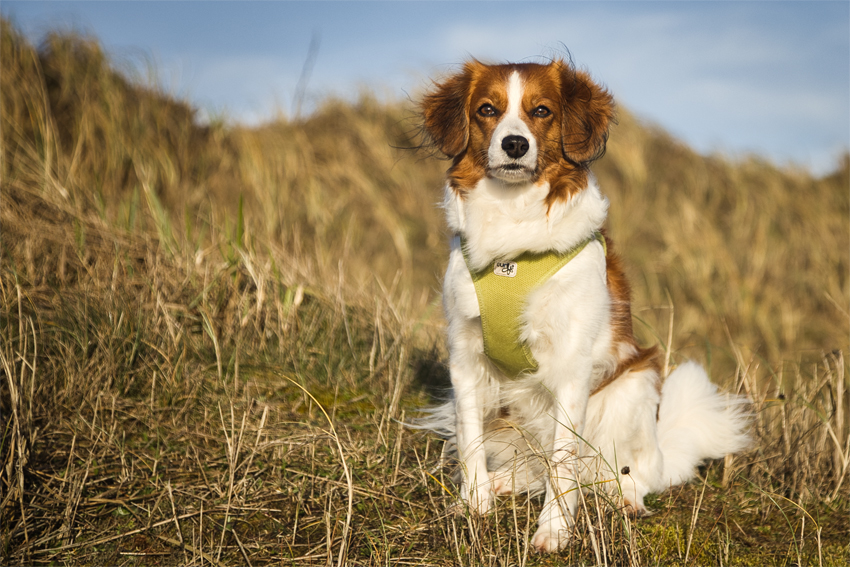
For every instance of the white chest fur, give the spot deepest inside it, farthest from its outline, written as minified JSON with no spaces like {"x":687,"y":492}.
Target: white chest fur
{"x":500,"y":220}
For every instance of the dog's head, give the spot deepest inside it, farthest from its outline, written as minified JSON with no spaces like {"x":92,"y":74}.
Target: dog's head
{"x":520,"y":123}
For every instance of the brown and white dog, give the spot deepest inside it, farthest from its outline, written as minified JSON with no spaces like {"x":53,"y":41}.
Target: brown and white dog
{"x":521,"y":138}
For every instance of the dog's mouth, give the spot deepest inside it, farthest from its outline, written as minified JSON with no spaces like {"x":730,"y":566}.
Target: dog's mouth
{"x":512,"y":172}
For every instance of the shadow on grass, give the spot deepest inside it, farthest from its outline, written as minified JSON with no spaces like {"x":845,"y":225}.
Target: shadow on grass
{"x":431,"y":374}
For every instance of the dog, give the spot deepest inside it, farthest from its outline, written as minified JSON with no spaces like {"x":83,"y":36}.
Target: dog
{"x":550,"y":389}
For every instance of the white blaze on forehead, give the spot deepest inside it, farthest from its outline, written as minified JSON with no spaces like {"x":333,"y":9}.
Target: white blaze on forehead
{"x":515,"y":88}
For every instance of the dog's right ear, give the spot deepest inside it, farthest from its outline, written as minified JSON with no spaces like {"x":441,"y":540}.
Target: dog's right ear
{"x":446,"y":111}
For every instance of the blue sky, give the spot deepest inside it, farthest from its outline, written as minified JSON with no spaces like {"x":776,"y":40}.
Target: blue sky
{"x":771,"y":78}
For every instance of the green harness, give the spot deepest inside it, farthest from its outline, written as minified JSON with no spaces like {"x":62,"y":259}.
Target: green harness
{"x":503,"y":291}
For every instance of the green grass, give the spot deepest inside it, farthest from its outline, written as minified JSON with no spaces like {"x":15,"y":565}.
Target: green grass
{"x":209,"y":336}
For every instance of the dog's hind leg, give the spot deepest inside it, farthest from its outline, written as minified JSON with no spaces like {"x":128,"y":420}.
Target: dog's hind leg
{"x":622,"y":427}
{"x":510,"y":458}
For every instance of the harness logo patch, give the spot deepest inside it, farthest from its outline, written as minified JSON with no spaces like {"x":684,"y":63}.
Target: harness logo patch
{"x":505,"y":269}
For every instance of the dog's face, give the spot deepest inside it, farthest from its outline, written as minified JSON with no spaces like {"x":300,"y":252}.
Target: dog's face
{"x":519,"y":123}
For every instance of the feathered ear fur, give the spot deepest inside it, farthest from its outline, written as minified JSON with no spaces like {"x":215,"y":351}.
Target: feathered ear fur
{"x":446,"y":113}
{"x":587,"y":111}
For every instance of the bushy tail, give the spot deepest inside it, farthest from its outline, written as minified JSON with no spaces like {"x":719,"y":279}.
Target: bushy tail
{"x":696,"y":422}
{"x":439,"y":419}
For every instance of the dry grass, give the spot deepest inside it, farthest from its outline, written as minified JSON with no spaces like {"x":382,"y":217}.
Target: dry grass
{"x":739,"y":248}
{"x":209,"y":335}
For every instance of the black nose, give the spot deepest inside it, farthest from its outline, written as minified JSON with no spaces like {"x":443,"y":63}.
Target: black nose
{"x":515,"y":146}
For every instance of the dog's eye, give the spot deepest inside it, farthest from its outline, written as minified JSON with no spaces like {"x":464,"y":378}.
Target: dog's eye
{"x":487,"y":110}
{"x":541,"y":112}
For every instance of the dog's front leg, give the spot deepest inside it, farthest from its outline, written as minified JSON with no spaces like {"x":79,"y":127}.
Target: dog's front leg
{"x":562,"y":489}
{"x":470,"y":381}
{"x":475,"y":483}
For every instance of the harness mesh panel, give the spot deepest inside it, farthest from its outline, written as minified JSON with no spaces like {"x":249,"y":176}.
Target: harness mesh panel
{"x":502,"y":299}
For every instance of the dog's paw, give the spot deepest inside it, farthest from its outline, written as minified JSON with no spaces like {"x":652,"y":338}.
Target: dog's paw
{"x":457,"y":509}
{"x":551,"y":536}
{"x":502,"y":483}
{"x":477,"y":501}
{"x":634,"y":509}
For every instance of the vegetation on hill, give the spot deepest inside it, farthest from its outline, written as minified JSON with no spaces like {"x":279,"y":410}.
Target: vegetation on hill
{"x":210,"y":334}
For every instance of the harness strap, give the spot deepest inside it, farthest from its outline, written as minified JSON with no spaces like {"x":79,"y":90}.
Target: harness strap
{"x":503,"y":290}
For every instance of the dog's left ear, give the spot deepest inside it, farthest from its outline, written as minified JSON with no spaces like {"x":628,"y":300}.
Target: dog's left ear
{"x":587,"y":111}
{"x":445,"y":111}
